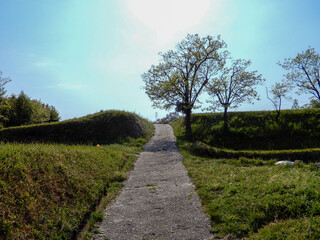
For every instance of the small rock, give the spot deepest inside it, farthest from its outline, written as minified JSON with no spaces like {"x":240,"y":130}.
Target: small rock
{"x":285,"y":163}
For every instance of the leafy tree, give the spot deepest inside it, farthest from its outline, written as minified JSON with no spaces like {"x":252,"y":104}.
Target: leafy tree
{"x":54,"y":114}
{"x":180,"y":77}
{"x":304,"y":72}
{"x":3,"y":101}
{"x":233,"y":86}
{"x":314,"y":103}
{"x":40,"y":112}
{"x":279,"y":91}
{"x":22,"y":110}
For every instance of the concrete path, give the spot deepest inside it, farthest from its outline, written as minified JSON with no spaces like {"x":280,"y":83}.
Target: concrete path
{"x":158,"y":200}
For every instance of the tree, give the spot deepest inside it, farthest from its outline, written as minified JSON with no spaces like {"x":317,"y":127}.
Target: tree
{"x":314,"y":104}
{"x":22,"y":110}
{"x":3,"y":102}
{"x":304,"y":72}
{"x":295,"y":104}
{"x":54,"y":114}
{"x":233,"y":86}
{"x":279,"y":91}
{"x":40,"y":112}
{"x":3,"y":81}
{"x":180,"y":77}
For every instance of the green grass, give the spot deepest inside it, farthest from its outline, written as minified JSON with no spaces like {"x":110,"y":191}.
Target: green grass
{"x":257,"y":130}
{"x":298,"y":229}
{"x":241,"y":196}
{"x":46,"y":191}
{"x":244,"y":193}
{"x":50,"y":191}
{"x":104,"y":127}
{"x":200,"y":149}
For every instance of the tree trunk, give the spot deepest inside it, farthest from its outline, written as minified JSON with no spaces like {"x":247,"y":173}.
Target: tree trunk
{"x":188,"y":124}
{"x":225,"y":120}
{"x":278,"y":114}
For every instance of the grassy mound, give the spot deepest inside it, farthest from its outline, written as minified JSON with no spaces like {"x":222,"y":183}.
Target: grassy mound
{"x":307,"y":155}
{"x":101,"y":128}
{"x":258,"y":130}
{"x":46,"y":191}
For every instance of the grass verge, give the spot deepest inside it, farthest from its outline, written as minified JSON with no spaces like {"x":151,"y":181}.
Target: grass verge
{"x":46,"y":191}
{"x":255,"y":198}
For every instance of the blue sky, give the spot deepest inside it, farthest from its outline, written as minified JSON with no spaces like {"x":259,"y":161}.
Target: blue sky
{"x":84,"y":56}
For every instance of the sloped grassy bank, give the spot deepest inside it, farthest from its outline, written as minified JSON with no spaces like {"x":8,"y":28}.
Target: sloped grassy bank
{"x":104,"y":127}
{"x":259,"y":130}
{"x":245,"y":194}
{"x":47,"y":191}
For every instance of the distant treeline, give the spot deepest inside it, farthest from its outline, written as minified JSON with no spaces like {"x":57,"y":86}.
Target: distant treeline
{"x":21,"y":110}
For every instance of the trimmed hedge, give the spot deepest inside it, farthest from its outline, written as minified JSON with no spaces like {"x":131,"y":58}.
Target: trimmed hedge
{"x":104,"y":127}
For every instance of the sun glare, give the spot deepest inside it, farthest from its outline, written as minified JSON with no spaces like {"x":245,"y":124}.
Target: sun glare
{"x":168,"y":17}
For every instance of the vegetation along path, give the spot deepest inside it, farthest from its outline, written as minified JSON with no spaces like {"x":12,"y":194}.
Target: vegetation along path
{"x":158,"y":200}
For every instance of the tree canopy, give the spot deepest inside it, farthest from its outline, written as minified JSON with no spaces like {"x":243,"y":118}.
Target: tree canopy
{"x":279,"y":91}
{"x":233,"y":86}
{"x":180,"y":77}
{"x":304,"y":71}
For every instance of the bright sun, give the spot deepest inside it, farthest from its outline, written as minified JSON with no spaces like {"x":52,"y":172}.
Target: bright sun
{"x":167,"y":17}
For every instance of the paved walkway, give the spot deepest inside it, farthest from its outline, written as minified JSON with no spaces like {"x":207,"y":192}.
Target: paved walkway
{"x":158,"y":200}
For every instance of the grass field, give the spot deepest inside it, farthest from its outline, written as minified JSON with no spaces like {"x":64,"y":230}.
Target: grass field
{"x":256,"y":199}
{"x":246,"y":195}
